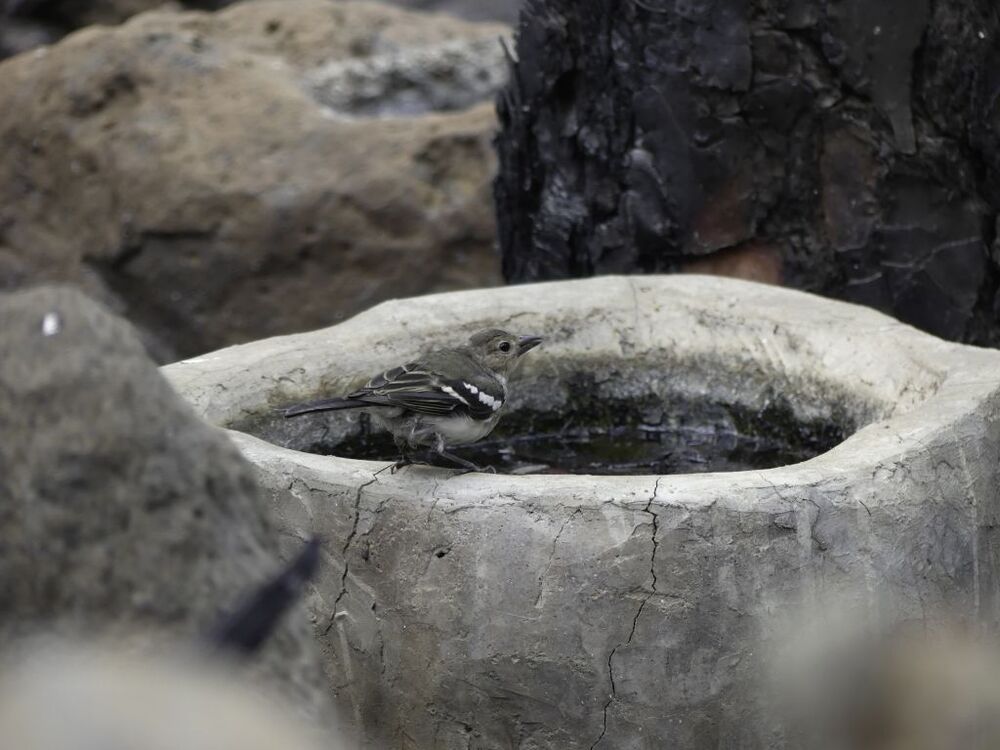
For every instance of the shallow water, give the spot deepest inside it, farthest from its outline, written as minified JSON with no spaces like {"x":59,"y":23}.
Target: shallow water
{"x":624,"y":438}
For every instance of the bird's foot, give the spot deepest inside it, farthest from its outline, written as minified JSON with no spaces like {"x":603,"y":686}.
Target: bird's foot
{"x":467,"y":466}
{"x":476,"y":470}
{"x":396,"y":466}
{"x":401,"y":463}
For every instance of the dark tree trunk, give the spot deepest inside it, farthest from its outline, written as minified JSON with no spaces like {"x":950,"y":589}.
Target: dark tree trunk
{"x":847,"y":147}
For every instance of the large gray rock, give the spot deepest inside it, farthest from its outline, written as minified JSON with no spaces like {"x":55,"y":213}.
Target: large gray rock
{"x":121,"y":513}
{"x":575,"y":611}
{"x":197,"y":171}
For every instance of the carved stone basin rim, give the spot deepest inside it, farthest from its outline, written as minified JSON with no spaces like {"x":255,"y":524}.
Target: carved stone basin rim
{"x":897,"y":385}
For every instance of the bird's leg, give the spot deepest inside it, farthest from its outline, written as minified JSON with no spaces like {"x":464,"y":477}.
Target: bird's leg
{"x":467,"y":465}
{"x":404,"y":457}
{"x":404,"y":460}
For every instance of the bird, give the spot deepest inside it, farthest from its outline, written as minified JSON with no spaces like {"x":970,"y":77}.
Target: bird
{"x":449,"y":397}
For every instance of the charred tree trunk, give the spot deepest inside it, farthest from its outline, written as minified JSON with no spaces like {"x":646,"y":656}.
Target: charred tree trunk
{"x":847,"y":147}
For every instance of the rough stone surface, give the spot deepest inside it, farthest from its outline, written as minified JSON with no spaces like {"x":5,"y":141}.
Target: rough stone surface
{"x":120,"y":511}
{"x":855,"y":140}
{"x":184,"y":168}
{"x":601,"y":612}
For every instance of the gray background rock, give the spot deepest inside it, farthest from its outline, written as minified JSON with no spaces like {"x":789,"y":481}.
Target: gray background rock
{"x":121,"y":513}
{"x":70,"y":696}
{"x":845,"y":147}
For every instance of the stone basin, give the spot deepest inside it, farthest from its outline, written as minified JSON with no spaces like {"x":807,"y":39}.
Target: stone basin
{"x":580,"y":610}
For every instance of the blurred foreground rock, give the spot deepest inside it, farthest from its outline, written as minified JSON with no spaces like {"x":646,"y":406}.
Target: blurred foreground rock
{"x":223,"y":177}
{"x":120,"y":511}
{"x":68,"y":697}
{"x":845,"y":684}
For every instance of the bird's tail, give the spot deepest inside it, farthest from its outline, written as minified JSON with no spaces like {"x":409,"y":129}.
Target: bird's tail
{"x":326,"y":404}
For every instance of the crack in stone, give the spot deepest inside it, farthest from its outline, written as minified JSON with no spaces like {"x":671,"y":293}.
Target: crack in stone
{"x":343,"y":552}
{"x":656,"y":529}
{"x":381,"y":648}
{"x":434,"y":504}
{"x":820,"y":544}
{"x":552,"y":554}
{"x":638,"y":612}
{"x":611,"y":676}
{"x":378,"y":509}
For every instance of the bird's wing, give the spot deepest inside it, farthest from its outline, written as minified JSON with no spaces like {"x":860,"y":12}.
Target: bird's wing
{"x":418,"y":388}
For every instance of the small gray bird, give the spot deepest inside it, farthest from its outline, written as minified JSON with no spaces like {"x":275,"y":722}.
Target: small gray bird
{"x":449,"y":397}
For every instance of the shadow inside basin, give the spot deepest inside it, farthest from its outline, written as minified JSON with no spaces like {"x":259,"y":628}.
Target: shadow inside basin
{"x":596,"y":434}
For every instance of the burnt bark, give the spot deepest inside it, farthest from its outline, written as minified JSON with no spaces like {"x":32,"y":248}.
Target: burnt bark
{"x":847,"y":147}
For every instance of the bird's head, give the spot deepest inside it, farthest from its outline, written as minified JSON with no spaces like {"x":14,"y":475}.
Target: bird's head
{"x":499,"y":350}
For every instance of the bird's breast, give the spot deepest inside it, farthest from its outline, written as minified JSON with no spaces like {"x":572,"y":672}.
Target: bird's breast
{"x":460,"y":430}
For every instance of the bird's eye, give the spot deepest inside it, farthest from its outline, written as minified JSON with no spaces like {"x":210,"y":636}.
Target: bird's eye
{"x":505,"y":346}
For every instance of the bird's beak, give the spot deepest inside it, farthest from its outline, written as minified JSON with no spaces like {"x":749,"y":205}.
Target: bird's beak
{"x":527,"y":343}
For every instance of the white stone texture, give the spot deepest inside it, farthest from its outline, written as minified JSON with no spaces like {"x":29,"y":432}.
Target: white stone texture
{"x":632,"y":611}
